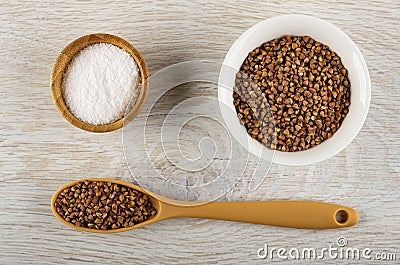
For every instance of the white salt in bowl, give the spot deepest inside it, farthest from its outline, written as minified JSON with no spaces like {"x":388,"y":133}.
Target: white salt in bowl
{"x":324,"y":32}
{"x":66,"y":56}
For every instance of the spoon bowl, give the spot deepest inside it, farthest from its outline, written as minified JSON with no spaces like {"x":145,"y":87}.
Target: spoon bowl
{"x":292,"y":214}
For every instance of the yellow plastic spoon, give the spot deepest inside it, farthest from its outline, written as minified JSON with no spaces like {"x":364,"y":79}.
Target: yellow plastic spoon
{"x":294,"y":214}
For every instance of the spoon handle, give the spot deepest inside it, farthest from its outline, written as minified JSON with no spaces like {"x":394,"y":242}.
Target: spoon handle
{"x":294,"y":214}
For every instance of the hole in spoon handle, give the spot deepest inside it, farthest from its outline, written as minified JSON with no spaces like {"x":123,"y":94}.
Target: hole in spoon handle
{"x":341,"y":216}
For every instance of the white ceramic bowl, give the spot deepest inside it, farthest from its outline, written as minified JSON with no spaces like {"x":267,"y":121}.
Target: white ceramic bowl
{"x":321,"y":31}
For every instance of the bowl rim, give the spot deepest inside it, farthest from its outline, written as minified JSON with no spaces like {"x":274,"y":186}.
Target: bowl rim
{"x":289,"y":158}
{"x":66,"y":56}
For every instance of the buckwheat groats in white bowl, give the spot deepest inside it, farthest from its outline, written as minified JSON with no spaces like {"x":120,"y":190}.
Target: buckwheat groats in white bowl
{"x":305,"y":73}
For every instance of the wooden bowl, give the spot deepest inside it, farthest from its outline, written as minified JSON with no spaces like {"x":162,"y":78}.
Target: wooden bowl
{"x":65,"y":57}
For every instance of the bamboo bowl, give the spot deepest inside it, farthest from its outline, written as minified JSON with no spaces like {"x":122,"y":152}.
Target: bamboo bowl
{"x":62,"y":62}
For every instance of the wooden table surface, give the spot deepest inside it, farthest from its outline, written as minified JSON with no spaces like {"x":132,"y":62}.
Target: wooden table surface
{"x":40,"y":151}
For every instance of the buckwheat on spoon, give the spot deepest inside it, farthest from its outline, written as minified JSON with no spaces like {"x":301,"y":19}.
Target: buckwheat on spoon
{"x":103,"y":205}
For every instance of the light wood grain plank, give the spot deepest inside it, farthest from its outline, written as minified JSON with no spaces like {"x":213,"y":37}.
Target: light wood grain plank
{"x":40,"y":151}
